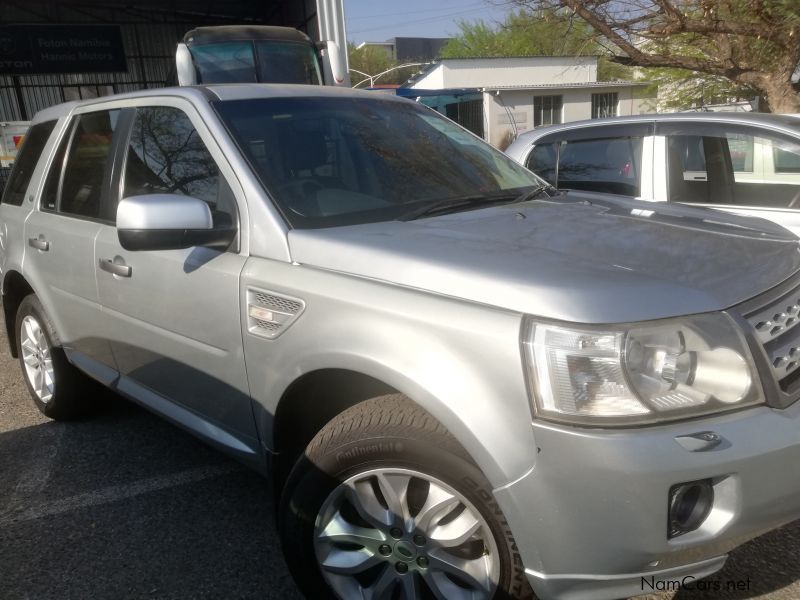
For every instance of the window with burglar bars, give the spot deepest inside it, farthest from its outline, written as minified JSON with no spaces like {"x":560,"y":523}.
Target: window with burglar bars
{"x":604,"y":105}
{"x":547,"y":110}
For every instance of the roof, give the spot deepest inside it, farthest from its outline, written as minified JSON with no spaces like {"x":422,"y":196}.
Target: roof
{"x":414,"y":92}
{"x":520,"y":56}
{"x":224,"y":92}
{"x":587,"y":84}
{"x":771,"y":121}
{"x":229,"y":33}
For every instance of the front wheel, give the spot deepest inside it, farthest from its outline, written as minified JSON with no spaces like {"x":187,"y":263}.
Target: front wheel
{"x":385,"y":504}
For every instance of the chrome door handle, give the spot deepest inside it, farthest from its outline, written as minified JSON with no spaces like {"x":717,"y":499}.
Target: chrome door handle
{"x":39,"y":244}
{"x":106,"y":264}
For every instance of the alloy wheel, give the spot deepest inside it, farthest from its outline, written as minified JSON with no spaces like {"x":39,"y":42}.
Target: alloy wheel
{"x":401,"y":534}
{"x":37,"y":358}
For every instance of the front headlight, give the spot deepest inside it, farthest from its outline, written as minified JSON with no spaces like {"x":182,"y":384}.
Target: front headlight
{"x":640,"y":373}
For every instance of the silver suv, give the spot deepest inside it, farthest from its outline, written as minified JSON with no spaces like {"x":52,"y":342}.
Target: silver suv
{"x":744,"y":163}
{"x":462,"y":383}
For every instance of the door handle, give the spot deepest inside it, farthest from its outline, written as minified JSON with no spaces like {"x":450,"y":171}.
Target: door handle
{"x":106,"y":264}
{"x":39,"y":244}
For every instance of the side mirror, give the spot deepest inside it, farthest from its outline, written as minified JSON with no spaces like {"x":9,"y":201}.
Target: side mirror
{"x":334,"y":57}
{"x":168,"y":222}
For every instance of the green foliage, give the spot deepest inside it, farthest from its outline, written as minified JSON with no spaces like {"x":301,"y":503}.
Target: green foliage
{"x":708,"y":48}
{"x":524,"y":33}
{"x":532,"y":33}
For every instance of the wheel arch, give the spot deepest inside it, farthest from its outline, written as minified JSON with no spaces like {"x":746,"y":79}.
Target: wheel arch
{"x":318,"y":395}
{"x":15,"y":288}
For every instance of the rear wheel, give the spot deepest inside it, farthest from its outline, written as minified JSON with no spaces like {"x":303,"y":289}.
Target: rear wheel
{"x":58,"y":389}
{"x":385,"y":504}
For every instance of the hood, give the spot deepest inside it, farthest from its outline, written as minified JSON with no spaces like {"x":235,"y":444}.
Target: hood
{"x":572,"y":257}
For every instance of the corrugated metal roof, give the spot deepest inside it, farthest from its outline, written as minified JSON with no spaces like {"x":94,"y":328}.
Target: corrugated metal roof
{"x":551,"y":86}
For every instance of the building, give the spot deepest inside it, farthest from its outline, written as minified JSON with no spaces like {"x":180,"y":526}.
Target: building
{"x":499,"y":98}
{"x":52,"y":52}
{"x":407,"y":49}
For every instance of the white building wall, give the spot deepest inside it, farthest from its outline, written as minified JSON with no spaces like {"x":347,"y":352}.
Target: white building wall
{"x":501,"y":72}
{"x":433,"y":80}
{"x":510,"y":112}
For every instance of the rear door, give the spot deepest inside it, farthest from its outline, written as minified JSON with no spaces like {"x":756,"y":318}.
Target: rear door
{"x":175,"y":324}
{"x":60,"y":234}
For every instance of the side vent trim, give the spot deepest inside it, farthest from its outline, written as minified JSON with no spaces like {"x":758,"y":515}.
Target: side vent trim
{"x":270,"y":313}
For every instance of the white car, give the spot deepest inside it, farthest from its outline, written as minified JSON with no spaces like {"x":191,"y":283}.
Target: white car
{"x":743,"y":163}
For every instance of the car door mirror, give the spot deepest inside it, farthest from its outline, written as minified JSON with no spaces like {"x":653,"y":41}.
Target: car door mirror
{"x":168,"y":222}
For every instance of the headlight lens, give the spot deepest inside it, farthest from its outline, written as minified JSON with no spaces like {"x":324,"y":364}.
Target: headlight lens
{"x":643,"y":373}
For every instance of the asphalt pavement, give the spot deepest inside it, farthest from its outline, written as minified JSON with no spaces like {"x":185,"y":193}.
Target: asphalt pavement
{"x":124,"y":505}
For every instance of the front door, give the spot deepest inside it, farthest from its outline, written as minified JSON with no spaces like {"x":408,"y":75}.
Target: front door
{"x":176,"y":332}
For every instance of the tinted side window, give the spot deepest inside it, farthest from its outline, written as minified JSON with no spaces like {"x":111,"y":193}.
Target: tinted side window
{"x":82,"y":187}
{"x":611,"y":165}
{"x":167,"y":156}
{"x":542,"y":161}
{"x":27,"y":158}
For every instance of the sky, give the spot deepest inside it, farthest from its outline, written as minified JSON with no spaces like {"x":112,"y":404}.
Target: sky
{"x":380,"y":20}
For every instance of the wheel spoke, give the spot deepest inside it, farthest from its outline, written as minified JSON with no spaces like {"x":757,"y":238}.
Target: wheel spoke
{"x":28,"y":346}
{"x":30,"y":359}
{"x":394,"y":488}
{"x":409,"y":586}
{"x":457,"y":531}
{"x":38,"y":382}
{"x":383,"y":587}
{"x":363,"y":498}
{"x":340,"y":531}
{"x":444,"y":588}
{"x":472,"y":572}
{"x":30,"y":332}
{"x":349,"y":562}
{"x":437,"y":505}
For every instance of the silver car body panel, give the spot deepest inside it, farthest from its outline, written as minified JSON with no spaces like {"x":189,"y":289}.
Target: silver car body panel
{"x":540,"y":257}
{"x":460,"y":361}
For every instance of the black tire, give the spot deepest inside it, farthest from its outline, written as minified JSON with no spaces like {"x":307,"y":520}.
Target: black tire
{"x":72,"y":391}
{"x":385,"y":432}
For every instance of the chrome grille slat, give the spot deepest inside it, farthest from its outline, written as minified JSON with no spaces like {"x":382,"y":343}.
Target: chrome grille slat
{"x":776,"y":319}
{"x":776,"y":327}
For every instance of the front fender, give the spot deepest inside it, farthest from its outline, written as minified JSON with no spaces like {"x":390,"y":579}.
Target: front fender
{"x":459,"y":361}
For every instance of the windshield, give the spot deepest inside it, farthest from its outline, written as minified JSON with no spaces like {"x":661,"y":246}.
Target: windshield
{"x":337,"y":161}
{"x":264,"y":61}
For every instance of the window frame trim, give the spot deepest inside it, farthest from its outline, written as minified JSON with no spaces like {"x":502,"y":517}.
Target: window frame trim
{"x":200,"y":127}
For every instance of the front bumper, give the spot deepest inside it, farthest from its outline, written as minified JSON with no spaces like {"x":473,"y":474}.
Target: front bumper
{"x":590,"y":519}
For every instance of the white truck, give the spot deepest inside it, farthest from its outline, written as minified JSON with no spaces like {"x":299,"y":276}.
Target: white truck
{"x":266,"y":54}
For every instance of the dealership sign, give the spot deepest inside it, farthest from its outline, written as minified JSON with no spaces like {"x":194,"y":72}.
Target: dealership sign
{"x":39,"y":49}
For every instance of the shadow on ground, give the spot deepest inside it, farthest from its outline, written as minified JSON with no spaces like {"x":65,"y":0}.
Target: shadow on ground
{"x":125,"y":505}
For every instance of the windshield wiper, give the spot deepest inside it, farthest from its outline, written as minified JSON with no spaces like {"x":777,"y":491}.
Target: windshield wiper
{"x":450,"y":205}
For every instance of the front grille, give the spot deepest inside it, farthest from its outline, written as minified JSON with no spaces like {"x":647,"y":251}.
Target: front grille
{"x":776,"y":328}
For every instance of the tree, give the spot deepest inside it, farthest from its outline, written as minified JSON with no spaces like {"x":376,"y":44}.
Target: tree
{"x":372,"y":60}
{"x":682,"y":89}
{"x":752,"y":43}
{"x":531,"y":33}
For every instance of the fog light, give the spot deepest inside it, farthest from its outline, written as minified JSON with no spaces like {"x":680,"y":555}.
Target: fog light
{"x":689,"y":505}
